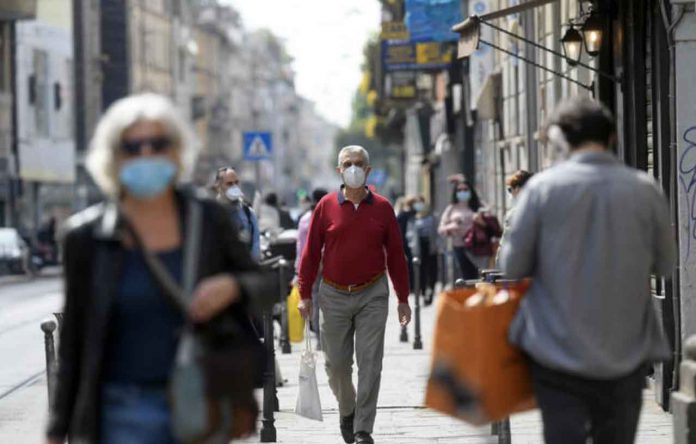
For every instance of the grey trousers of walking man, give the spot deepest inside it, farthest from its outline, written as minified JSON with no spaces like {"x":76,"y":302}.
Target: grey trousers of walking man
{"x":355,"y":321}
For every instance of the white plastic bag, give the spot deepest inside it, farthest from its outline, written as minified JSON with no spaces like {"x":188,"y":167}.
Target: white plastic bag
{"x":308,"y":402}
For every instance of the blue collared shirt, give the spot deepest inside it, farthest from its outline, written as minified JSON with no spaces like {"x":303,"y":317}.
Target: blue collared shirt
{"x":589,"y":232}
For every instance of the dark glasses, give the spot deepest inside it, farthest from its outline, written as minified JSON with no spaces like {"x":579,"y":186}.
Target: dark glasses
{"x":135,"y":147}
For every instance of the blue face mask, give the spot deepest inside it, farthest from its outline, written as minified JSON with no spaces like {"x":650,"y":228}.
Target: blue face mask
{"x":147,"y":177}
{"x":463,"y":196}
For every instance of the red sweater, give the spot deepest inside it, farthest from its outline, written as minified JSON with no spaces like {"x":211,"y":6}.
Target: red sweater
{"x":357,"y":244}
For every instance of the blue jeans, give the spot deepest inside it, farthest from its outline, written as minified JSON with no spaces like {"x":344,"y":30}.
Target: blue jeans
{"x":135,"y":414}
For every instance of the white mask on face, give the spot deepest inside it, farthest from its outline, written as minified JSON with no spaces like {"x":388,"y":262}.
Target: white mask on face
{"x":354,"y":177}
{"x":234,"y":193}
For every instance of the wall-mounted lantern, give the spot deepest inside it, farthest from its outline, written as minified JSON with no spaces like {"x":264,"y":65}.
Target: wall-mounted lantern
{"x":592,"y":31}
{"x":572,"y":45}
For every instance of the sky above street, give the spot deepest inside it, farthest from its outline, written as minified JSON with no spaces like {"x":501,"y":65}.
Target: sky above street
{"x":325,"y":38}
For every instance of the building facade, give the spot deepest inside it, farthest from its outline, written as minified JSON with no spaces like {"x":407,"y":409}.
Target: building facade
{"x":45,"y":113}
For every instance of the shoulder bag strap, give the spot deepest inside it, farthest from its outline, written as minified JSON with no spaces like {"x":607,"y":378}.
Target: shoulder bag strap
{"x":179,"y":296}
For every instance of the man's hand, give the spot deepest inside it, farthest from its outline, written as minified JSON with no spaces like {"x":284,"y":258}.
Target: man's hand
{"x":305,"y":307}
{"x":404,"y":314}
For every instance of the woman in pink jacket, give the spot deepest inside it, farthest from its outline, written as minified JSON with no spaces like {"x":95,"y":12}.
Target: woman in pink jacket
{"x":457,"y":219}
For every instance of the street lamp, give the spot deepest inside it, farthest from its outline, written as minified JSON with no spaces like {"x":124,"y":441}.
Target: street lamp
{"x":593,"y":30}
{"x":572,"y":45}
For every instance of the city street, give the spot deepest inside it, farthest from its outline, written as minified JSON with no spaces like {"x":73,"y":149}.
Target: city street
{"x":24,"y":304}
{"x":401,"y":416}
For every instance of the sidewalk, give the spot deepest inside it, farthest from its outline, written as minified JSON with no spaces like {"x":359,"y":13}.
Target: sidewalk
{"x":401,"y":417}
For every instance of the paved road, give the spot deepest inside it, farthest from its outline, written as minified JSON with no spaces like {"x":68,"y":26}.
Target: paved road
{"x":24,"y":304}
{"x":401,"y":417}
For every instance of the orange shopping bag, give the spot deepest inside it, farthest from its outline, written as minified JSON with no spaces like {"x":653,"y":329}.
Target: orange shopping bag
{"x":476,"y":374}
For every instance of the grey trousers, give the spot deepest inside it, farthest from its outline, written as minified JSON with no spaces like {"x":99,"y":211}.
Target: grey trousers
{"x":355,"y":323}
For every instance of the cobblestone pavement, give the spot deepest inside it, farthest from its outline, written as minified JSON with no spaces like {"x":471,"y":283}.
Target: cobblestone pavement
{"x":401,"y":416}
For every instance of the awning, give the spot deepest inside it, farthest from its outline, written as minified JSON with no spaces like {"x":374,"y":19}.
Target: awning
{"x":505,"y":12}
{"x":470,"y":38}
{"x":487,"y":100}
{"x":469,"y":29}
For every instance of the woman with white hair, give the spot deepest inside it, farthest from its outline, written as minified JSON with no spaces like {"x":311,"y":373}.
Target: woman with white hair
{"x":120,"y":331}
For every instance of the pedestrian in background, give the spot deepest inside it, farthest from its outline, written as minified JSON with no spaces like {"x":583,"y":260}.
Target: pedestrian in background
{"x":514,"y":186}
{"x":404,"y":215}
{"x":272,"y":217}
{"x":229,"y":193}
{"x":456,"y":221}
{"x":302,"y":233}
{"x":119,"y":333}
{"x":355,"y":237}
{"x":589,"y":231}
{"x":423,"y":241}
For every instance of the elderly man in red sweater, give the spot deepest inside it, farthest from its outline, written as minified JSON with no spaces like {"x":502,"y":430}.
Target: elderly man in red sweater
{"x":354,"y":236}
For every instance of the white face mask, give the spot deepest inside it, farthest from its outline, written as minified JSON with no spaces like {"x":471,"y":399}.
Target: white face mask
{"x":354,"y":177}
{"x":234,"y":193}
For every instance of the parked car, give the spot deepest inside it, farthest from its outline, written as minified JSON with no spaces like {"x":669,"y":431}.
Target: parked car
{"x":14,"y":252}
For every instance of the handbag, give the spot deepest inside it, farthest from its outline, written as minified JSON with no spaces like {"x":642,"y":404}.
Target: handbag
{"x":477,"y":375}
{"x":478,"y":239}
{"x":216,"y":365}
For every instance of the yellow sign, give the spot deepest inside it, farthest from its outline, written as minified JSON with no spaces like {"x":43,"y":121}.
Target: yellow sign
{"x":408,"y":55}
{"x":400,"y":54}
{"x":394,"y":31}
{"x":432,"y":52}
{"x":403,"y":92}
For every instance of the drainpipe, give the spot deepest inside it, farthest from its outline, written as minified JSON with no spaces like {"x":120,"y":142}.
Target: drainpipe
{"x":673,"y":191}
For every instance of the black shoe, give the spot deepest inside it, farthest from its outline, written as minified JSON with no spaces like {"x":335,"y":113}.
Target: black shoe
{"x":363,"y":438}
{"x":347,"y":428}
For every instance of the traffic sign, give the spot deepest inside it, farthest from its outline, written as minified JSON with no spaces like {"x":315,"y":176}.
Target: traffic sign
{"x":258,"y":145}
{"x":378,"y":177}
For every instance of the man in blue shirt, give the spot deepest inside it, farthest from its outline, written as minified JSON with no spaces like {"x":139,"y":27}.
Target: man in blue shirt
{"x":230,"y":194}
{"x":590,"y":232}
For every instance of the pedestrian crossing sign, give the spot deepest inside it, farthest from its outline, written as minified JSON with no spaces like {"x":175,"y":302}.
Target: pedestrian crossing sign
{"x":258,"y":145}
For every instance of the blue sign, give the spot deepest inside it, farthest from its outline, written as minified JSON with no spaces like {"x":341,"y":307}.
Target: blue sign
{"x":378,"y":177}
{"x":433,"y":19}
{"x":258,"y":145}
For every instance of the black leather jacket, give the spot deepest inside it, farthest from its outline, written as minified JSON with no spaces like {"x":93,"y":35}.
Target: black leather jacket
{"x":92,"y":262}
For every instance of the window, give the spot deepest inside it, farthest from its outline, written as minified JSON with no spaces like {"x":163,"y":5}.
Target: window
{"x":42,"y":92}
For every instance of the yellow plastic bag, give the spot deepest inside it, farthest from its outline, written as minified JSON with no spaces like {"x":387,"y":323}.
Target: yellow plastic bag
{"x":296,"y":323}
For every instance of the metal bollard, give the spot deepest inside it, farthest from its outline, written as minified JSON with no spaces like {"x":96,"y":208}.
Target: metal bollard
{"x":417,"y":342}
{"x":684,"y":401}
{"x":284,"y":332}
{"x":48,"y":328}
{"x":268,"y":430}
{"x":504,"y":436}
